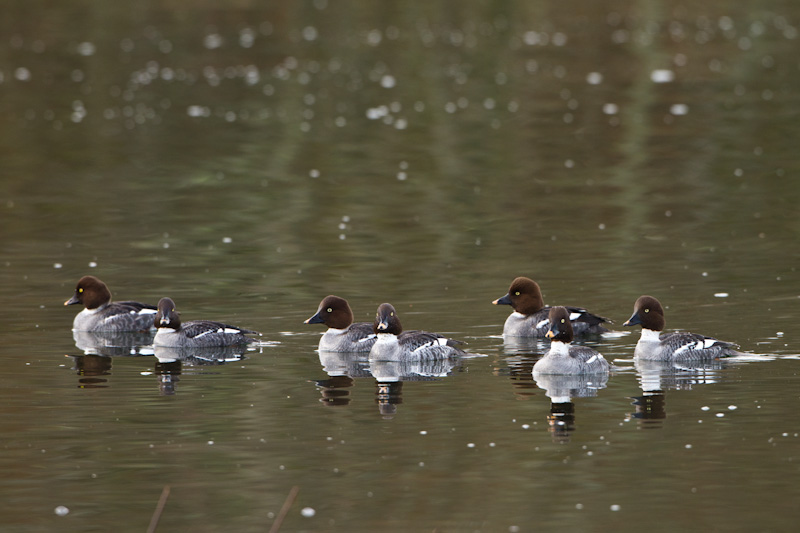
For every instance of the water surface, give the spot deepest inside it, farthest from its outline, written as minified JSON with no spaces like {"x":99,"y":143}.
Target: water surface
{"x":248,"y":160}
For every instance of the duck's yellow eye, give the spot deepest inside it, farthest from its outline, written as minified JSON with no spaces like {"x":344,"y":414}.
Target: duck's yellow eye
{"x":391,"y":314}
{"x":330,"y":310}
{"x":80,"y":290}
{"x":516,"y":293}
{"x":562,"y":320}
{"x":646,"y":310}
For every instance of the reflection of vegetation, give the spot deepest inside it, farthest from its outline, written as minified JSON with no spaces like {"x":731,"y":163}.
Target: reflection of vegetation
{"x":455,"y":134}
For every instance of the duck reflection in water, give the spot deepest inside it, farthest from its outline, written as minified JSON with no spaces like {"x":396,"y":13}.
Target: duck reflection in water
{"x":561,"y":389}
{"x":99,"y":347}
{"x":91,"y":370}
{"x":656,"y":377}
{"x":390,"y":375}
{"x":342,"y":369}
{"x":170,"y":362}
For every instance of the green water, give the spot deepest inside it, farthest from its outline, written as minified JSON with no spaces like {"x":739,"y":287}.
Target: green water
{"x":248,"y":160}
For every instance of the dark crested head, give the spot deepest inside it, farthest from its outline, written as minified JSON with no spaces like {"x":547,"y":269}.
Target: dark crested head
{"x":524,"y":296}
{"x":91,"y":292}
{"x":648,"y":313}
{"x":167,"y":316}
{"x":560,"y":326}
{"x":386,"y":320}
{"x":334,"y":312}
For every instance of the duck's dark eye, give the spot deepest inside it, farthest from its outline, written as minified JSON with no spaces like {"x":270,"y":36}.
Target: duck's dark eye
{"x":330,"y":310}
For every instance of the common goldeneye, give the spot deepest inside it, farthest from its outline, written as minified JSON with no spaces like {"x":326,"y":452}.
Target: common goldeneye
{"x":197,"y":333}
{"x":394,"y":344}
{"x":101,"y":314}
{"x":342,"y":335}
{"x":529,"y":318}
{"x":677,"y":346}
{"x":563,"y":358}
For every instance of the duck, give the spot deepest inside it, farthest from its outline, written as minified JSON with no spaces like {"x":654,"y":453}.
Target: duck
{"x":394,"y":344}
{"x":654,"y":345}
{"x":530,"y":315}
{"x":563,"y":358}
{"x":342,"y":335}
{"x":172,"y":333}
{"x":101,"y":314}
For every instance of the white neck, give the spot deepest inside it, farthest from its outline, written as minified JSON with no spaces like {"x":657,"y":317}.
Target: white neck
{"x":559,"y":349}
{"x":649,"y":335}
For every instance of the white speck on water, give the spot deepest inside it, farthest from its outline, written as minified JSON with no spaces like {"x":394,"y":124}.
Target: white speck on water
{"x":662,"y":76}
{"x":308,"y":512}
{"x":601,"y":226}
{"x":526,"y":426}
{"x":615,"y":507}
{"x":423,"y":432}
{"x":211,"y":443}
{"x":720,"y":415}
{"x":374,"y":37}
{"x":388,"y":81}
{"x":513,"y":529}
{"x":738,"y":172}
{"x":227,"y":240}
{"x":22,"y":74}
{"x":679,"y":109}
{"x":594,"y":78}
{"x":779,"y":334}
{"x":579,"y":506}
{"x":402,"y":176}
{"x":86,"y":49}
{"x":721,"y":294}
{"x":610,"y":109}
{"x":569,"y":163}
{"x":313,"y":173}
{"x":92,"y":264}
{"x":422,"y":463}
{"x":704,"y":274}
{"x":61,"y":510}
{"x":705,"y":408}
{"x":212,"y":41}
{"x":688,"y":446}
{"x":492,"y":445}
{"x":310,"y":33}
{"x":732,"y":408}
{"x":470,"y":445}
{"x":489,"y":103}
{"x":345,"y":219}
{"x":57,"y":265}
{"x":342,"y":236}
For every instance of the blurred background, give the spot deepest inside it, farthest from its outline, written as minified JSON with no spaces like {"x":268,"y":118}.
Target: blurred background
{"x":248,"y":158}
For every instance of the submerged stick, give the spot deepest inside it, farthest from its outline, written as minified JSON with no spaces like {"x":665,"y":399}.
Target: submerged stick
{"x":162,"y":501}
{"x":285,"y":509}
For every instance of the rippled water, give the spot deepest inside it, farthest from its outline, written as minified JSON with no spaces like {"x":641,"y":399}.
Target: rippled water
{"x":248,"y":160}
